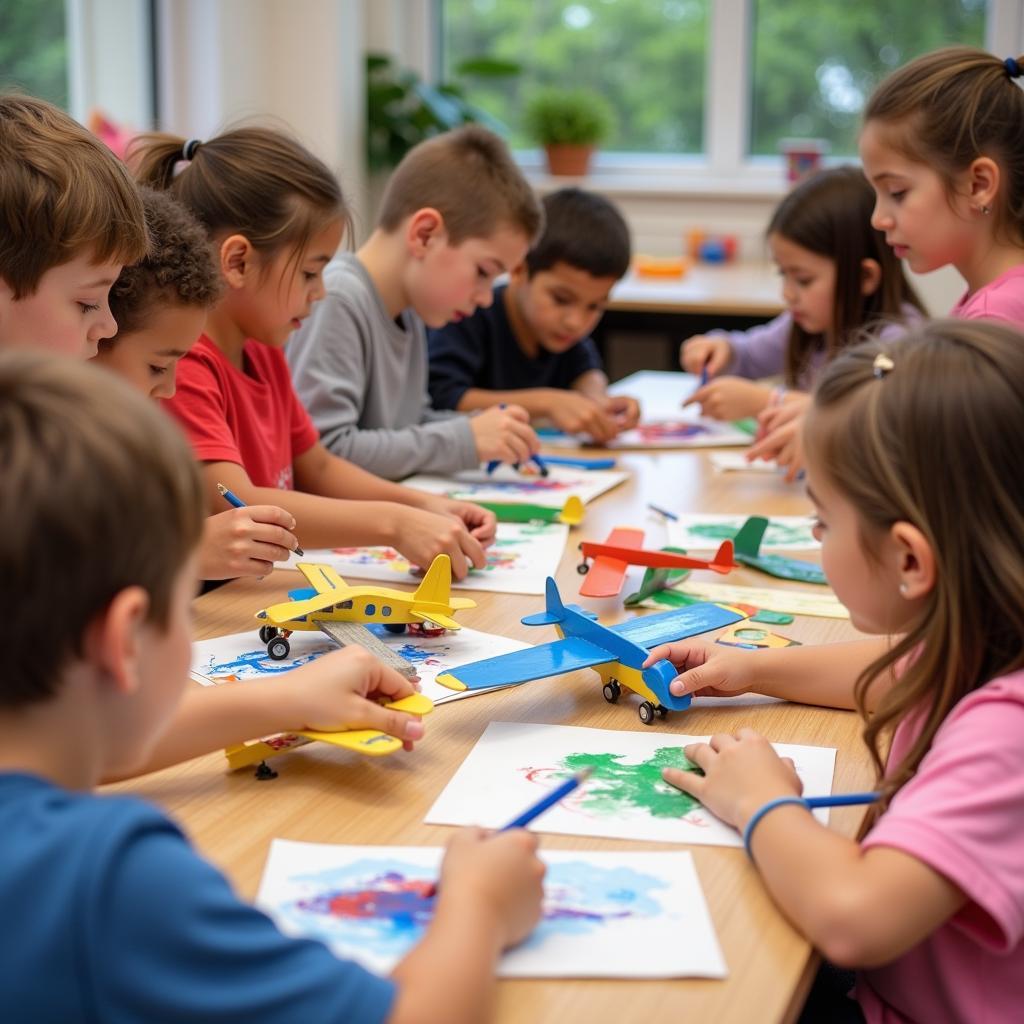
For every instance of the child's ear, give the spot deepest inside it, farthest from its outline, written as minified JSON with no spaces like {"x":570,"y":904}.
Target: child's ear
{"x":520,"y":273}
{"x":870,"y":277}
{"x":112,"y":643}
{"x":236,"y":259}
{"x":983,"y":177}
{"x":425,"y":227}
{"x":915,"y":561}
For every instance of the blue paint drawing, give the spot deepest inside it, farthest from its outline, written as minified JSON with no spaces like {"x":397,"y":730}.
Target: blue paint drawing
{"x":255,"y":663}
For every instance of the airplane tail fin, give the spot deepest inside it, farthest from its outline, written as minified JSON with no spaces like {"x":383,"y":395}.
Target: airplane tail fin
{"x":554,"y":610}
{"x":723,"y":561}
{"x":572,"y":511}
{"x":748,"y":540}
{"x":436,"y":585}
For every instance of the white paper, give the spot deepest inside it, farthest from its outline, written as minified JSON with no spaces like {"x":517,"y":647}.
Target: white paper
{"x":513,"y":764}
{"x":606,"y":915}
{"x":702,"y":531}
{"x":736,"y":462}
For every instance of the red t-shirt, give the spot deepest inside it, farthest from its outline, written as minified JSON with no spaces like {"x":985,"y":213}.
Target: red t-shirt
{"x":252,"y":417}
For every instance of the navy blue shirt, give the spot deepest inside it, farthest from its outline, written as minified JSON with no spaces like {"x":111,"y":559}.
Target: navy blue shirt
{"x":111,"y":917}
{"x":482,"y":352}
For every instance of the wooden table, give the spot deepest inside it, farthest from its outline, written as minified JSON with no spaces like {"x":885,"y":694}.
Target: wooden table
{"x":327,"y":795}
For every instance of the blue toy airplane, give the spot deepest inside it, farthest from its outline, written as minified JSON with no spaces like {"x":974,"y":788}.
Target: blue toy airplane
{"x":614,"y":652}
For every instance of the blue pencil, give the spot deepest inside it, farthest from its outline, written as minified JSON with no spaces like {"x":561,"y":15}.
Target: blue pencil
{"x":841,"y":799}
{"x":663,"y":512}
{"x":579,"y":462}
{"x":235,"y":501}
{"x":704,"y":374}
{"x":550,"y":800}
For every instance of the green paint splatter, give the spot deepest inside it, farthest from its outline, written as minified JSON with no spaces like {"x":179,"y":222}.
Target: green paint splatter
{"x":774,"y":535}
{"x":614,"y":787}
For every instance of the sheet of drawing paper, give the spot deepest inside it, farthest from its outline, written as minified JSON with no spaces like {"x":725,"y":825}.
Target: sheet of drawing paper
{"x":705,"y":531}
{"x":661,"y":393}
{"x":521,"y":558}
{"x":529,"y":487}
{"x":824,"y":604}
{"x":243,"y":656}
{"x":606,"y":915}
{"x":736,"y":462}
{"x":514,"y":764}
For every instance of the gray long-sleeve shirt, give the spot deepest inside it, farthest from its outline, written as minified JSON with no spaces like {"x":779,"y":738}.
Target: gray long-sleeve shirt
{"x":363,"y":378}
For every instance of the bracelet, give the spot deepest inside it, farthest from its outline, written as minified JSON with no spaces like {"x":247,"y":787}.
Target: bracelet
{"x":781,"y":801}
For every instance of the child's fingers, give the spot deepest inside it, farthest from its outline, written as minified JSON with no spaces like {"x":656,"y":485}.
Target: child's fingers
{"x":699,"y":397}
{"x":260,"y":551}
{"x":394,"y":723}
{"x":688,"y":782}
{"x":472,"y":550}
{"x":717,"y":361}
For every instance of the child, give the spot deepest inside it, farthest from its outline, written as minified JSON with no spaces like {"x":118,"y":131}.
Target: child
{"x":70,"y":218}
{"x":839,"y":279}
{"x":160,"y":305}
{"x":913,"y":466}
{"x":360,"y":361}
{"x":276,"y":216}
{"x":941,"y":147}
{"x":106,"y":499}
{"x":533,"y":345}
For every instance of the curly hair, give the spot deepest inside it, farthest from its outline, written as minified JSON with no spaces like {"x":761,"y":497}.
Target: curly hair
{"x":179,"y":270}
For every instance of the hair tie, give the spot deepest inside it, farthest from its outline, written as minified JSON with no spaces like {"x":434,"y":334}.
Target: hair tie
{"x":188,"y":151}
{"x":1012,"y":67}
{"x":882,"y":365}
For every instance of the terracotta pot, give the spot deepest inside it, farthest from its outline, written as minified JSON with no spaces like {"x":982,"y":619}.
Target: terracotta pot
{"x":568,"y":159}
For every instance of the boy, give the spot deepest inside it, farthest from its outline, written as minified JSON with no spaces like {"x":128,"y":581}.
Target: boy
{"x":117,"y":917}
{"x":532,"y":346}
{"x":456,"y":213}
{"x":70,"y":218}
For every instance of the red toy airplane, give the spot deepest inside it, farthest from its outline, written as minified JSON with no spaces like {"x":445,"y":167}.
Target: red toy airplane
{"x":623,"y":548}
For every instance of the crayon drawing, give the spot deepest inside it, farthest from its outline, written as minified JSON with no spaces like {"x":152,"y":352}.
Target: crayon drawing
{"x":242,"y":656}
{"x":513,"y":763}
{"x":604,"y":914}
{"x":522,"y":556}
{"x":506,"y":484}
{"x":706,"y":531}
{"x":686,"y":430}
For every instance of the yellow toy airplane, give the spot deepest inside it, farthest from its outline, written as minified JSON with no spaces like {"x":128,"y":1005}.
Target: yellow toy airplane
{"x":340,"y":610}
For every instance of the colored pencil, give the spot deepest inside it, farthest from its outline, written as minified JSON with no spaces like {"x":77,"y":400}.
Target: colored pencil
{"x":234,"y":500}
{"x":550,"y":800}
{"x":663,"y":512}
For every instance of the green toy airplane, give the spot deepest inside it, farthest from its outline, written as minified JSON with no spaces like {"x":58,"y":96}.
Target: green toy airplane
{"x":747,"y":545}
{"x":571,"y":513}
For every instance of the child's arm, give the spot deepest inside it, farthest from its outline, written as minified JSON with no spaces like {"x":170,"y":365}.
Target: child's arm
{"x":245,"y":542}
{"x":568,"y":410}
{"x":489,"y":898}
{"x":338,"y":691}
{"x":823,"y":675}
{"x":754,"y":353}
{"x":731,"y":398}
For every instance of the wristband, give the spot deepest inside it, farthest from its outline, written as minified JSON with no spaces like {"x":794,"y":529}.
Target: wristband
{"x":756,"y":817}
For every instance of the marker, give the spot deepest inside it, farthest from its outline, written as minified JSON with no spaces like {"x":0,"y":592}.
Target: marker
{"x":236,"y":502}
{"x":663,"y":512}
{"x":535,"y":459}
{"x":550,"y":800}
{"x":578,"y":463}
{"x":704,"y":373}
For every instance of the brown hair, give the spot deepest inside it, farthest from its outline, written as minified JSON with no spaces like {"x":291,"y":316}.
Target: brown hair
{"x":468,"y":176}
{"x":950,"y":107}
{"x":100,"y":493}
{"x":936,"y":443}
{"x":830,"y":214}
{"x":179,"y":270}
{"x":62,"y":194}
{"x":257,"y":182}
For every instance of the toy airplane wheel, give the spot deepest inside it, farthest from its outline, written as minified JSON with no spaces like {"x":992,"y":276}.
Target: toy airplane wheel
{"x":279,"y":648}
{"x":395,"y":627}
{"x":612,"y":691}
{"x":267,"y":633}
{"x":647,"y":712}
{"x":583,"y":568}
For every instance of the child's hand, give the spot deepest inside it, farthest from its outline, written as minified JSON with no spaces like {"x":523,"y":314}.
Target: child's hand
{"x":576,"y":413}
{"x":421,"y":534}
{"x":245,"y":542}
{"x":783,"y":445}
{"x":498,"y":873}
{"x":340,"y":691}
{"x":794,"y":405}
{"x":701,"y":353}
{"x":481,"y":522}
{"x":730,"y":398}
{"x":706,"y":670}
{"x":504,"y":433}
{"x":623,"y":409}
{"x":741,"y":773}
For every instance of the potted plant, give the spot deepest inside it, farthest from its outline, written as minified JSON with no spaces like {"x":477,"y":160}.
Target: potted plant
{"x":569,"y":124}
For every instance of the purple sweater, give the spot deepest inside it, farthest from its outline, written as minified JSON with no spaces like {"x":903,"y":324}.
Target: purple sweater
{"x":761,"y":351}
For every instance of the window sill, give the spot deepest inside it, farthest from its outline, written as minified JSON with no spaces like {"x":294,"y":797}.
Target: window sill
{"x":663,"y":184}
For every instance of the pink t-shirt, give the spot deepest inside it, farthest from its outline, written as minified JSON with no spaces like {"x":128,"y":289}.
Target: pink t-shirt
{"x":1001,"y":299}
{"x":962,"y":814}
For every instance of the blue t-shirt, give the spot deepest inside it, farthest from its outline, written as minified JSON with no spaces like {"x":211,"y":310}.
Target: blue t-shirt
{"x":110,"y":916}
{"x":482,"y":352}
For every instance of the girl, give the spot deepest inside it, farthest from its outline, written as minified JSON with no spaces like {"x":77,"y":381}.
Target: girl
{"x":838,"y":279}
{"x":913,"y":465}
{"x":943,"y":147}
{"x":276,"y":216}
{"x":160,"y":305}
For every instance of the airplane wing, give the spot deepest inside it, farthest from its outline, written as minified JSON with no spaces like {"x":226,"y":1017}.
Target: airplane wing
{"x":323,"y":578}
{"x":607,"y":572}
{"x":298,"y":609}
{"x":650,"y":630}
{"x":372,"y":741}
{"x":442,"y":620}
{"x":538,"y":662}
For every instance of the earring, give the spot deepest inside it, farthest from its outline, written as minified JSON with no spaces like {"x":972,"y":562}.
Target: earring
{"x":986,"y":210}
{"x":903,"y":589}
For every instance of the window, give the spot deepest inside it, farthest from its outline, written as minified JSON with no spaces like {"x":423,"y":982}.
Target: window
{"x":33,"y":49}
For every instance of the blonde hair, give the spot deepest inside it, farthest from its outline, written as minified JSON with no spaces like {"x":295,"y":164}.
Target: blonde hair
{"x":950,"y":107}
{"x":100,"y":492}
{"x":468,"y":176}
{"x":62,"y":194}
{"x":935,"y":442}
